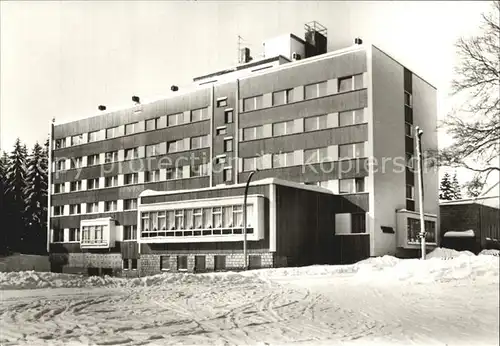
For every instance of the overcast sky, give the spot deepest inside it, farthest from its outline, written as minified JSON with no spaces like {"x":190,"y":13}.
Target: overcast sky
{"x":63,"y":58}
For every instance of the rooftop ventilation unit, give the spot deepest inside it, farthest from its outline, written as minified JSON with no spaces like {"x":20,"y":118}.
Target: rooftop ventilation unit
{"x":296,"y":56}
{"x":358,"y":40}
{"x":101,"y":107}
{"x":136,"y":99}
{"x":245,"y":55}
{"x":174,"y":88}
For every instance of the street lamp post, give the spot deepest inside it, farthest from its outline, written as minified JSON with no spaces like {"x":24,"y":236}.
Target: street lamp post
{"x":418,"y":136}
{"x":245,"y":259}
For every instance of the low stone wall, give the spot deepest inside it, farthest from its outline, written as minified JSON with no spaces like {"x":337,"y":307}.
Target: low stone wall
{"x":149,"y":264}
{"x":20,"y":262}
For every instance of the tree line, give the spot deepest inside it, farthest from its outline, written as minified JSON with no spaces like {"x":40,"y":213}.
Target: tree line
{"x":23,"y":199}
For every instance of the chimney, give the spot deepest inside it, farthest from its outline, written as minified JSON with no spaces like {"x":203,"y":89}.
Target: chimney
{"x":358,"y":40}
{"x":245,"y":55}
{"x":101,"y":108}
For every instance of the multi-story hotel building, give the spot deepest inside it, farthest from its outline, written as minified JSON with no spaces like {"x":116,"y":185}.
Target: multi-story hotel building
{"x":160,"y":186}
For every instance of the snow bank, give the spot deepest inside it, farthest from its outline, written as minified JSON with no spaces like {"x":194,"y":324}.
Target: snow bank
{"x":441,"y":265}
{"x":444,"y":253}
{"x":490,"y":252}
{"x":31,"y":279}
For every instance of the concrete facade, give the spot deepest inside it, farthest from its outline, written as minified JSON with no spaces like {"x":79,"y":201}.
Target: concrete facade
{"x":341,"y":109}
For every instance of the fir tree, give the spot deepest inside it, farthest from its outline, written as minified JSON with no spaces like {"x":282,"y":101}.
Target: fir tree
{"x":3,"y":203}
{"x":15,"y":187}
{"x":446,"y":188}
{"x":36,"y":201}
{"x":457,"y":193}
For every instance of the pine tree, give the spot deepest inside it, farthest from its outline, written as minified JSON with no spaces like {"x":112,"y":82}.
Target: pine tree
{"x":3,"y":203}
{"x":457,"y":193}
{"x":36,"y":201}
{"x":446,"y":188}
{"x":15,"y":187}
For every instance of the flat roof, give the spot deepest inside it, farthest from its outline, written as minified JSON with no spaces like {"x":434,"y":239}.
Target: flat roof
{"x":266,"y":181}
{"x":476,"y":200}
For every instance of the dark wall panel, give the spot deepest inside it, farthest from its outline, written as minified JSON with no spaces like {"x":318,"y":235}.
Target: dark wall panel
{"x":178,"y":103}
{"x":126,"y":192}
{"x":133,"y":166}
{"x":315,"y":172}
{"x":305,"y":140}
{"x":73,"y":221}
{"x":139,"y":139}
{"x":323,"y":105}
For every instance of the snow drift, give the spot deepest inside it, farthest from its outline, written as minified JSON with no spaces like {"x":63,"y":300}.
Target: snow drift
{"x":442,"y":265}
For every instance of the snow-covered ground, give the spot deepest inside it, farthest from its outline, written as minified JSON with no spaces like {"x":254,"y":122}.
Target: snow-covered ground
{"x":450,"y":299}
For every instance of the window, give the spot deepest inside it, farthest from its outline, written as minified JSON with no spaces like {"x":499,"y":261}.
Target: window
{"x":111,"y":156}
{"x":252,"y":163}
{"x":76,"y":162}
{"x":252,"y":103}
{"x":175,"y":119}
{"x":61,"y":165}
{"x":92,"y":207}
{"x":152,"y":124}
{"x":345,"y":84}
{"x":131,"y":153}
{"x":410,"y":192}
{"x":282,"y":97}
{"x":93,"y":136}
{"x":199,"y":170}
{"x":358,"y":223}
{"x":58,"y":210}
{"x":219,"y":160}
{"x":251,"y":133}
{"x":222,"y":102}
{"x":125,"y":264}
{"x":228,"y":145}
{"x":76,"y":140}
{"x":74,"y":209}
{"x":227,"y":174}
{"x":131,"y":178}
{"x":316,"y":155}
{"x":58,"y":236}
{"x":315,"y":123}
{"x":360,"y":184}
{"x":350,"y":151}
{"x":131,"y":128}
{"x":228,"y":116}
{"x":74,"y":234}
{"x":174,"y":173}
{"x":152,"y":176}
{"x":75,"y":186}
{"x":133,"y":264}
{"x":93,"y":160}
{"x":130,"y":232}
{"x":111,"y":181}
{"x":59,"y":188}
{"x":60,"y":143}
{"x":409,"y":160}
{"x":346,"y":186}
{"x":174,"y":146}
{"x":283,"y":160}
{"x":199,"y":114}
{"x":182,"y":263}
{"x":199,"y":142}
{"x":92,"y":183}
{"x":408,"y":99}
{"x":153,"y":150}
{"x":314,"y":90}
{"x":112,"y":132}
{"x":110,"y":206}
{"x":352,"y":117}
{"x":220,"y":131}
{"x":414,"y":230}
{"x":179,"y":219}
{"x":408,"y":130}
{"x":164,"y":262}
{"x":283,"y":128}
{"x":129,"y":204}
